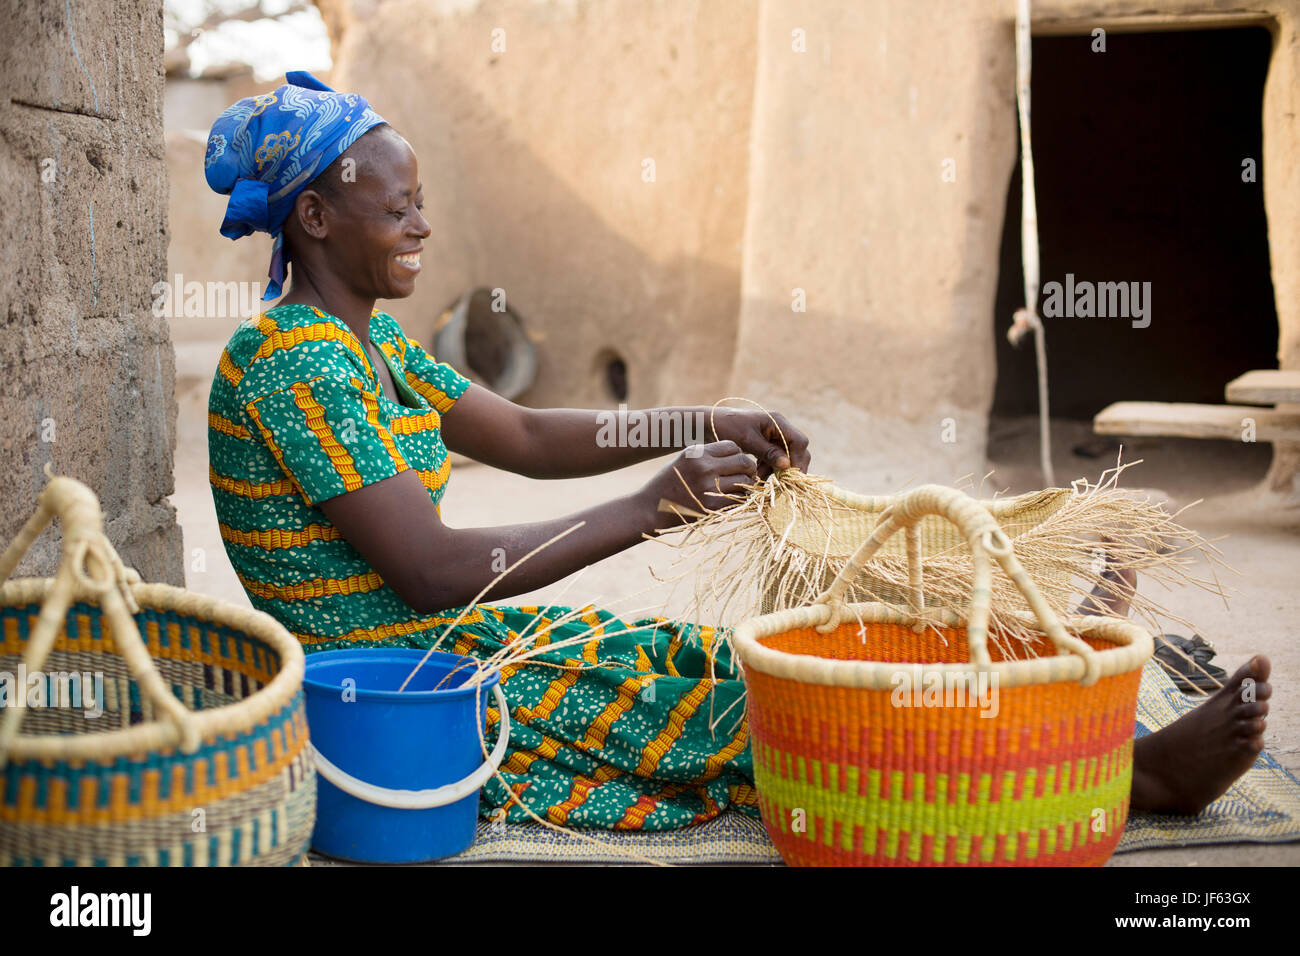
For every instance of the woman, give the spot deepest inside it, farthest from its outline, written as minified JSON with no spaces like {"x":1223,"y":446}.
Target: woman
{"x":328,"y":438}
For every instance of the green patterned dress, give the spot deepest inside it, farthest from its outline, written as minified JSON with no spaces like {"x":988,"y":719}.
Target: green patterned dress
{"x":613,"y":733}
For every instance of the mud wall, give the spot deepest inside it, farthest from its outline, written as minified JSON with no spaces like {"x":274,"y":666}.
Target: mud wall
{"x":590,"y":159}
{"x":87,"y":373}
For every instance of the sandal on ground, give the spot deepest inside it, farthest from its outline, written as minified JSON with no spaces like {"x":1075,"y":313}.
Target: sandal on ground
{"x":1187,"y":662}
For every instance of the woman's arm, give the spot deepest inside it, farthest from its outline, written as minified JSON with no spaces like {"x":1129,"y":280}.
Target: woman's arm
{"x":432,"y":567}
{"x":573,"y":443}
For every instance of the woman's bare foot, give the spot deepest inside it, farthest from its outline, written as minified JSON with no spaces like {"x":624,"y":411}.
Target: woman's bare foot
{"x":1183,"y":767}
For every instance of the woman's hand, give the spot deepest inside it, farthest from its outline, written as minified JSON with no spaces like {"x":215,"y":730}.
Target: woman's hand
{"x":769,"y":438}
{"x":694,"y":480}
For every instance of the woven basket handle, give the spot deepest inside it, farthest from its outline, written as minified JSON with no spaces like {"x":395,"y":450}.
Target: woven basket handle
{"x":89,"y":563}
{"x":985,"y":538}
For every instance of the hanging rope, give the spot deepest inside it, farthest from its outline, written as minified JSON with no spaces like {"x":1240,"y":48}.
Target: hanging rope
{"x":1026,"y":318}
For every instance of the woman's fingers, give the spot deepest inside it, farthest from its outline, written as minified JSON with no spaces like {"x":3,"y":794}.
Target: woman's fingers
{"x":726,"y":486}
{"x":780,"y":446}
{"x":783,"y":434}
{"x":724,"y":458}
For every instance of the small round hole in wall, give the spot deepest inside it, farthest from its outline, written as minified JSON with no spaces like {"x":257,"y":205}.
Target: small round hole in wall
{"x":484,"y":339}
{"x":612,"y":370}
{"x":488,"y":338}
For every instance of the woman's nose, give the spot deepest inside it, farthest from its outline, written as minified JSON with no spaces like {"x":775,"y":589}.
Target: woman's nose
{"x":422,"y":227}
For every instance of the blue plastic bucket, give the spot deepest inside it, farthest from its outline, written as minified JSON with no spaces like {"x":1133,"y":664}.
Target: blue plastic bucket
{"x":398,"y":773}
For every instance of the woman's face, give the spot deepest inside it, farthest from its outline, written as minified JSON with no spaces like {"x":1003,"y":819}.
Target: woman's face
{"x":375,"y":228}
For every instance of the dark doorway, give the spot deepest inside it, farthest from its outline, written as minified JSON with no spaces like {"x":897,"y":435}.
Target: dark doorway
{"x":1138,"y":156}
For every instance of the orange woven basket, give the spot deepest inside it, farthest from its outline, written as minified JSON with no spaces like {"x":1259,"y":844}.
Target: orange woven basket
{"x":898,"y":737}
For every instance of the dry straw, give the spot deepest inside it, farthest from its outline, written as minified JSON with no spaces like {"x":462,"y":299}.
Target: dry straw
{"x":781,"y":543}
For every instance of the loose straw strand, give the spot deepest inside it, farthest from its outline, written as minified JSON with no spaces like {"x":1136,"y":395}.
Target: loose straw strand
{"x":487,"y":587}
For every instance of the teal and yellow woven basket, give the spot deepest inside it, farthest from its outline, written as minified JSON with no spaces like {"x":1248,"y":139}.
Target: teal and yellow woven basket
{"x":159,"y":727}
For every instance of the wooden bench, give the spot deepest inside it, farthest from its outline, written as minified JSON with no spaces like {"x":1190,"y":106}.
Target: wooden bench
{"x":1265,"y":387}
{"x":1238,"y":422}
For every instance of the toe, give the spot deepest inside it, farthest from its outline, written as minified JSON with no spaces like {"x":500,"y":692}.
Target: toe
{"x":1257,"y":708}
{"x":1250,"y":681}
{"x":1260,"y":667}
{"x":1252,"y":727}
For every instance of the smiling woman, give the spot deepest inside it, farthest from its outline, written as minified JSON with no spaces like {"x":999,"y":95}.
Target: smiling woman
{"x":328,"y":437}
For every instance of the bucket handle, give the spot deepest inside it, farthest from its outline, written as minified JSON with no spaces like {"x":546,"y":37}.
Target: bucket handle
{"x":985,"y":537}
{"x":422,"y":799}
{"x":89,"y":564}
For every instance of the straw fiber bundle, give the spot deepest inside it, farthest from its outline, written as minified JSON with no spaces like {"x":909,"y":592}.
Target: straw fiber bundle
{"x":783,"y":544}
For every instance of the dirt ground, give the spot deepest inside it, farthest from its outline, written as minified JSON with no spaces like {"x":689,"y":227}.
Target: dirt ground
{"x":1259,"y":540}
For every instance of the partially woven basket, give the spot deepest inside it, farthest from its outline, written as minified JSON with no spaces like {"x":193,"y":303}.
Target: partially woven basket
{"x":200,"y":756}
{"x":859,"y":760}
{"x":831,"y":539}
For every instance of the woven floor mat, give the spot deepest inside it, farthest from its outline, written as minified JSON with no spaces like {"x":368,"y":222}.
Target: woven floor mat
{"x":1263,"y":806}
{"x":730,"y":838}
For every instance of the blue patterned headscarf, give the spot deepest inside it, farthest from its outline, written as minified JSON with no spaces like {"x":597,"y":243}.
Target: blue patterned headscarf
{"x":265,"y":150}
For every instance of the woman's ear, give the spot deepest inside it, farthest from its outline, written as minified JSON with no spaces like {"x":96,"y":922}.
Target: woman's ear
{"x":309,"y":209}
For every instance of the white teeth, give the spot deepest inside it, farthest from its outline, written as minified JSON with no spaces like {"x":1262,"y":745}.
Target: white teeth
{"x":410,"y":259}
